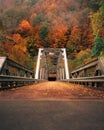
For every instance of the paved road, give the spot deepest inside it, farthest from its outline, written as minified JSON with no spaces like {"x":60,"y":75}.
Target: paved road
{"x":51,"y":114}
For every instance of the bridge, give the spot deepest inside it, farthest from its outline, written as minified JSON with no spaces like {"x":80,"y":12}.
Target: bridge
{"x":41,"y":104}
{"x":51,"y":65}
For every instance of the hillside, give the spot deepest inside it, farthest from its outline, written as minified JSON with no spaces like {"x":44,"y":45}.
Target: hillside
{"x":26,"y":25}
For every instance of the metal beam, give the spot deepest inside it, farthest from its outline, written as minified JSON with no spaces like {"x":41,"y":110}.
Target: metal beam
{"x":38,"y":63}
{"x":65,"y":63}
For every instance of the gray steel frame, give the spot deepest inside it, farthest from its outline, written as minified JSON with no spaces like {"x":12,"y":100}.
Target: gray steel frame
{"x":62,"y":71}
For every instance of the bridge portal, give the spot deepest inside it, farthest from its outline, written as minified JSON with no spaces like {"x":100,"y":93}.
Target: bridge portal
{"x":52,"y":64}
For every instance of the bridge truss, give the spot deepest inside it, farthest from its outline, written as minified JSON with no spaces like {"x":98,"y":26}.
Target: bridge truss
{"x":52,"y":64}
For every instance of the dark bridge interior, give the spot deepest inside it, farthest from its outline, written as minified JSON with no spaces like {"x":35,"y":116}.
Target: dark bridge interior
{"x":52,"y":77}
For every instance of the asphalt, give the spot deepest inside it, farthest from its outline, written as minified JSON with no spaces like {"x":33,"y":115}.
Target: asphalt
{"x":44,"y":114}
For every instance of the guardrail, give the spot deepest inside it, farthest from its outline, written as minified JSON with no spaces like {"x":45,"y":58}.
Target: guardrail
{"x":7,"y":81}
{"x":94,"y":81}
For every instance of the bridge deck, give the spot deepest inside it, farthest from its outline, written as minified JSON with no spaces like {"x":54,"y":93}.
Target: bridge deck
{"x":50,"y":90}
{"x":52,"y":106}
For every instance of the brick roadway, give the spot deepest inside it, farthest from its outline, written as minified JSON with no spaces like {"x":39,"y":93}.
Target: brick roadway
{"x":52,"y":90}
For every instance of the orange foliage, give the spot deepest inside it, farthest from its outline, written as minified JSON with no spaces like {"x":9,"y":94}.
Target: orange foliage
{"x":24,"y":27}
{"x":76,"y":34}
{"x":67,"y":23}
{"x":17,"y":38}
{"x":57,"y":36}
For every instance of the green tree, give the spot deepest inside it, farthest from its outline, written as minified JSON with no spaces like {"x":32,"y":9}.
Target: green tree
{"x":44,"y":31}
{"x":94,"y":4}
{"x":31,"y":48}
{"x":31,"y":2}
{"x":98,"y":48}
{"x":38,"y":19}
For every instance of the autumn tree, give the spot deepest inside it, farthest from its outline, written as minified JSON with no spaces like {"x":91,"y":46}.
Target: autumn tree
{"x":24,"y":28}
{"x":75,"y":40}
{"x":6,"y":43}
{"x":31,"y":47}
{"x":57,"y":36}
{"x":74,"y":24}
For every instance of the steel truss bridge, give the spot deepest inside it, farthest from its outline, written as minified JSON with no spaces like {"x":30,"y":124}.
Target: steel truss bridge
{"x":51,"y":65}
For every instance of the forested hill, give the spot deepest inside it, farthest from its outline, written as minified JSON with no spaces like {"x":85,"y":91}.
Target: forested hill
{"x":26,"y":25}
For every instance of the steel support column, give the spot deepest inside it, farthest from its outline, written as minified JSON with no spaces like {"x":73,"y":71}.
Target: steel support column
{"x":66,"y":63}
{"x":38,"y":64}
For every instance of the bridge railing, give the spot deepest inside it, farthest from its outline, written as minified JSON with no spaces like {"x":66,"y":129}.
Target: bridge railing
{"x":7,"y":81}
{"x":13,"y":74}
{"x":94,"y":81}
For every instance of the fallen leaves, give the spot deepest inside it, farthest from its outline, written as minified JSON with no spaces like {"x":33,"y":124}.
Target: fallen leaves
{"x":52,"y":90}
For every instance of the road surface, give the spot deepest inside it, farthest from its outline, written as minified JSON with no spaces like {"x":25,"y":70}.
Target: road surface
{"x":52,"y":106}
{"x":52,"y":115}
{"x":56,"y":90}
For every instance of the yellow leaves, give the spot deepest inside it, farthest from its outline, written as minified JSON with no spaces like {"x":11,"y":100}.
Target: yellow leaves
{"x":18,"y":48}
{"x":84,"y":56}
{"x":83,"y":52}
{"x":18,"y":53}
{"x":87,"y":60}
{"x":97,"y":23}
{"x":20,"y":42}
